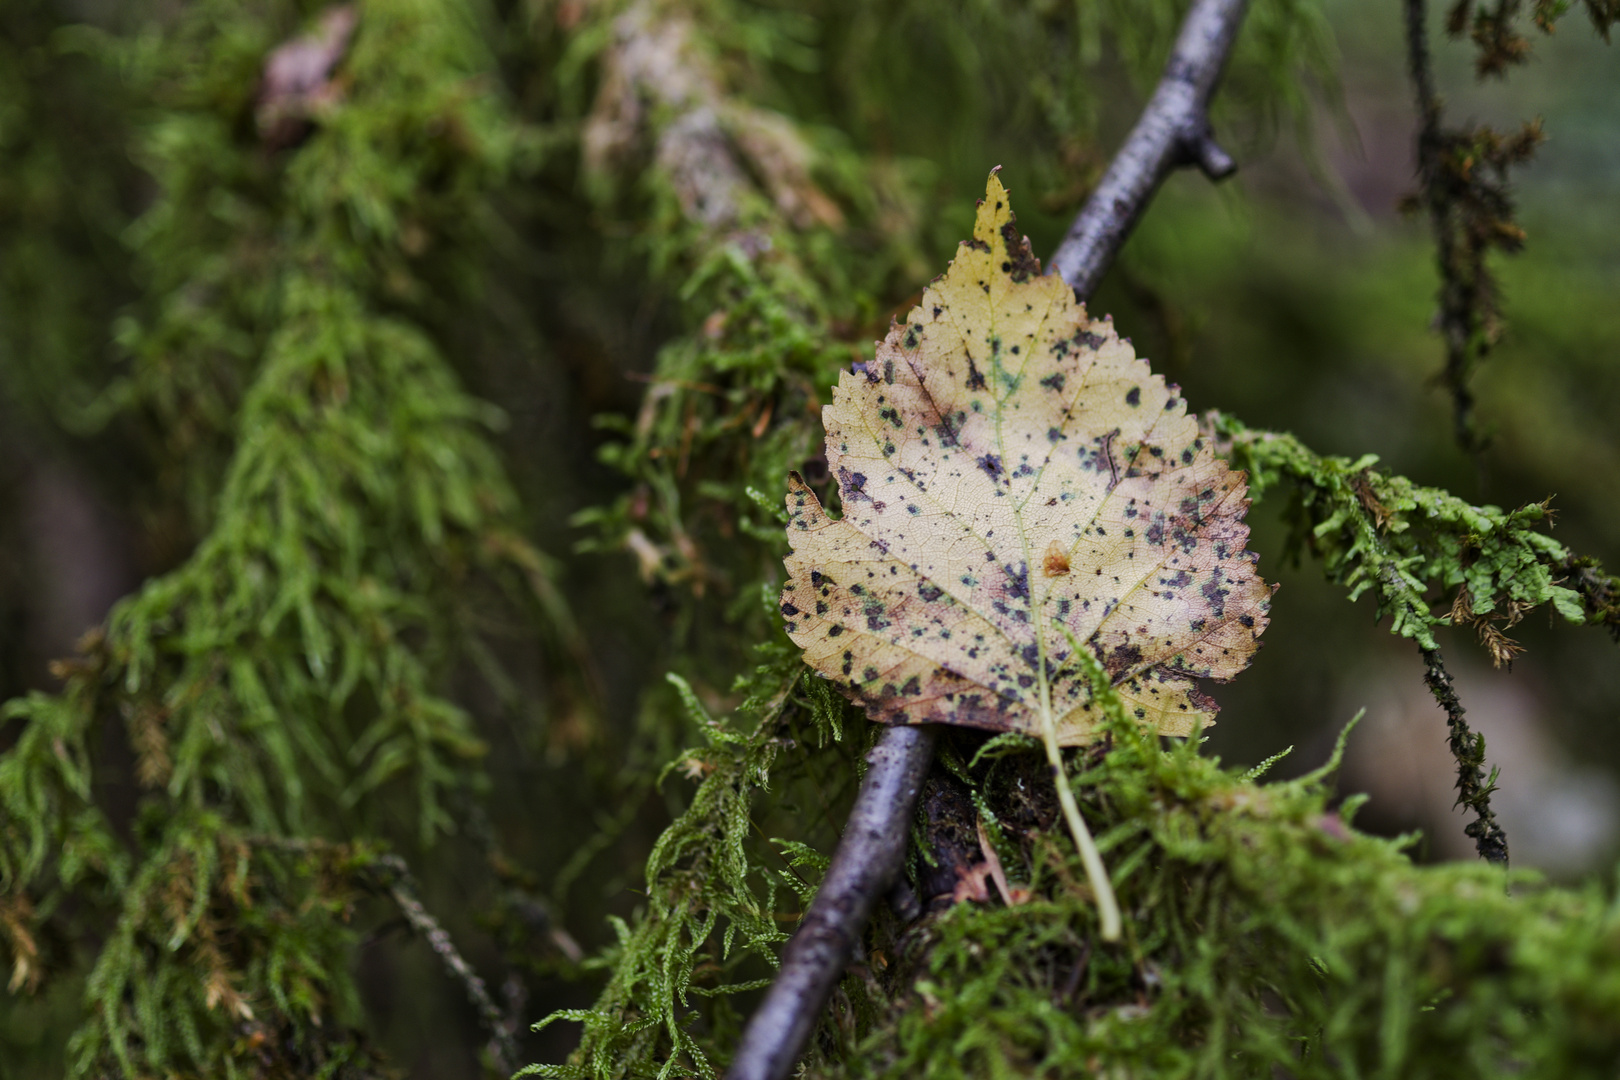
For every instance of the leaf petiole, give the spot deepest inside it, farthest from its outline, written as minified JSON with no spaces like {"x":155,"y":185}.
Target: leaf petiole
{"x":1102,"y":692}
{"x":1096,"y":872}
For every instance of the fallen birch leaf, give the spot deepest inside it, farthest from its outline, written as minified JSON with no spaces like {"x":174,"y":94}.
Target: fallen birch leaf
{"x":1035,"y":536}
{"x":1016,"y":484}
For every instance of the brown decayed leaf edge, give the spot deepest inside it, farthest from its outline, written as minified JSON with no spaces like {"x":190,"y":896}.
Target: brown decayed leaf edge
{"x":1017,"y":484}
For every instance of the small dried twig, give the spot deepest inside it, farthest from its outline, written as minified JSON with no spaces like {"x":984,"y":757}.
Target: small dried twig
{"x":1173,"y":131}
{"x":392,"y":875}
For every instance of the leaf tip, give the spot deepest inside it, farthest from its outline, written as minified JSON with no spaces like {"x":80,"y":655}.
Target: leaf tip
{"x":995,"y":231}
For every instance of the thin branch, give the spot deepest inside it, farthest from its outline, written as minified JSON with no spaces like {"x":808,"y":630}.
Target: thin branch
{"x":1473,"y":788}
{"x":1174,"y":131}
{"x":1462,"y":178}
{"x":1459,"y":299}
{"x":864,"y":866}
{"x":392,"y":874}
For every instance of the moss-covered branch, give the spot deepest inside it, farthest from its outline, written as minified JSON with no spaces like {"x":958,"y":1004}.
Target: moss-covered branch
{"x":1174,"y":129}
{"x":785,"y":248}
{"x":1265,"y":934}
{"x":730,"y":197}
{"x":716,"y":909}
{"x":1416,"y":547}
{"x":1463,"y":182}
{"x":1262,"y":931}
{"x":246,"y":298}
{"x":1410,"y":546}
{"x":1468,"y":749}
{"x":862,"y":870}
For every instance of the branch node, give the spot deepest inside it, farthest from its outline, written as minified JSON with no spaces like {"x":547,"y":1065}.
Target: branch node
{"x":1173,"y":131}
{"x":1214,"y":162}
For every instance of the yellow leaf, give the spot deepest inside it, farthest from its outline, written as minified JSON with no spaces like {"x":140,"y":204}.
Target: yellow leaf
{"x":1017,"y":484}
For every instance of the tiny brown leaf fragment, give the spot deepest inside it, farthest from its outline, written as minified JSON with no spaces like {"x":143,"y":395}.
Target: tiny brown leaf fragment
{"x":1000,"y":429}
{"x":1056,"y":562}
{"x":1361,"y":484}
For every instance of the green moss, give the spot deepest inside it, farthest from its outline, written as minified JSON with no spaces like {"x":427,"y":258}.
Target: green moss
{"x":716,"y":903}
{"x":1262,"y":932}
{"x":288,"y":678}
{"x":1405,"y":543}
{"x":802,"y":247}
{"x":333,"y":523}
{"x":222,"y":959}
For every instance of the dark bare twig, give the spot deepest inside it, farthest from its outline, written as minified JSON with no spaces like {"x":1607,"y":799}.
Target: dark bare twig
{"x":1174,"y":131}
{"x":1473,"y":789}
{"x":864,"y":866}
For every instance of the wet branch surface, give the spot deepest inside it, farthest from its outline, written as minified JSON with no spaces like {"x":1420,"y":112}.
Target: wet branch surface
{"x":1173,"y":131}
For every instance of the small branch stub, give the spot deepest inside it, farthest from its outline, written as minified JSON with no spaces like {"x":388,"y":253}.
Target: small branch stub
{"x":1173,"y":131}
